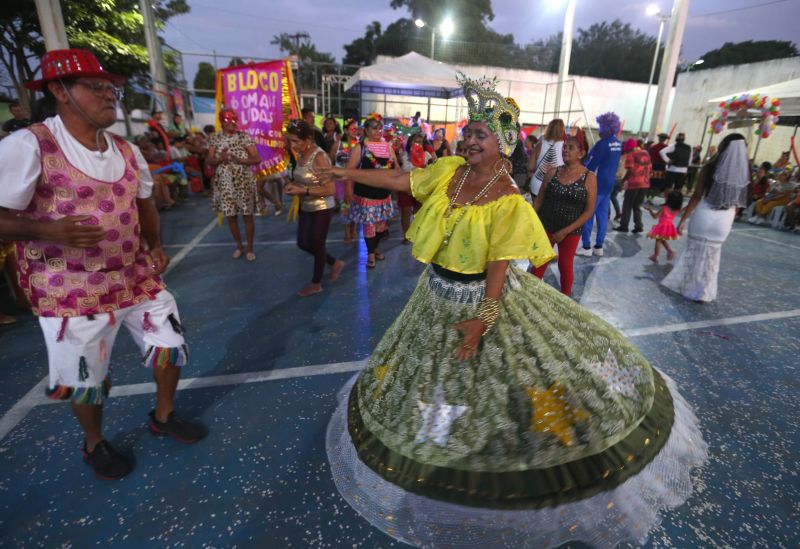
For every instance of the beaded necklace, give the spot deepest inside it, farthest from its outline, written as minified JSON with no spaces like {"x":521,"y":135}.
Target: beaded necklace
{"x":477,"y":197}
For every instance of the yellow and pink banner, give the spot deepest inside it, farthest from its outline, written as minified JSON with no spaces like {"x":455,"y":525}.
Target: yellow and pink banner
{"x":263,"y":97}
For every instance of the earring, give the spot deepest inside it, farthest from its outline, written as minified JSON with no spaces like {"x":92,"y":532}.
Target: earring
{"x":505,"y":166}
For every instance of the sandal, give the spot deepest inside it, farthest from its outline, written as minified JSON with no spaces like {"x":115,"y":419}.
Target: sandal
{"x":250,"y":256}
{"x":371,"y":263}
{"x":379,"y":256}
{"x":238,"y":253}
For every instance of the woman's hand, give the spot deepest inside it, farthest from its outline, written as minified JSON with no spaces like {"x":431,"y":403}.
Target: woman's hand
{"x":473,"y":331}
{"x":558,"y":236}
{"x":293,"y":189}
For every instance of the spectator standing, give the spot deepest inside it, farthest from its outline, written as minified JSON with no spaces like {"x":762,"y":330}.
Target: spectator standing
{"x":547,"y":154}
{"x":310,"y":119}
{"x":637,"y":181}
{"x":603,"y":160}
{"x":677,"y":157}
{"x":658,"y":173}
{"x":564,"y":204}
{"x":19,"y":120}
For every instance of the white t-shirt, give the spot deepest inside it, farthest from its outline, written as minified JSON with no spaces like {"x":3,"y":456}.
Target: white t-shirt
{"x":20,"y":164}
{"x":550,"y":156}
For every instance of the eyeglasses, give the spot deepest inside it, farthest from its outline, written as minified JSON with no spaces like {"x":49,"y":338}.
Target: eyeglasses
{"x":100,"y":89}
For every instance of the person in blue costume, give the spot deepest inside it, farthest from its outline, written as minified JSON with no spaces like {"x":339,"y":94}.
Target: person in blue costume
{"x":603,"y":159}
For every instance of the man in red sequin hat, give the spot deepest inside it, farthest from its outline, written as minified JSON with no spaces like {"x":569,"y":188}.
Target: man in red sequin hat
{"x":77,"y":200}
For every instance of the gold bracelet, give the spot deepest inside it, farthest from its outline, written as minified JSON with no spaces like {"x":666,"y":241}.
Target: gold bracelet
{"x":488,"y":311}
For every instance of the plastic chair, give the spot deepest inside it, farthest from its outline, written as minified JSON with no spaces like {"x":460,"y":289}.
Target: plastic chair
{"x":777,"y":217}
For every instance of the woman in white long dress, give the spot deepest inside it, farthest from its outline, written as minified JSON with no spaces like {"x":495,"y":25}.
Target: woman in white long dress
{"x":722,"y":187}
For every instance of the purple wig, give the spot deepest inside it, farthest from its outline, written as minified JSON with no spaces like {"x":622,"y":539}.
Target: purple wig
{"x":608,"y":124}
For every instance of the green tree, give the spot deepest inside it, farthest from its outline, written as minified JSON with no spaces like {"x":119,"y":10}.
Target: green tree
{"x":543,"y":55}
{"x":113,"y":29}
{"x":205,"y":79}
{"x":472,"y":40}
{"x":361,"y":51}
{"x":613,"y":50}
{"x":236,"y":61}
{"x":749,"y":51}
{"x":303,"y":48}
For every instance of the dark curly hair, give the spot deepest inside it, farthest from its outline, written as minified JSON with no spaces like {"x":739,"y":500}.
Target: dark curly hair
{"x":300,"y":128}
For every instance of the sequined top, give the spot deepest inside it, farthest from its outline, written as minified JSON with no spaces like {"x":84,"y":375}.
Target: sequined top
{"x":303,"y":176}
{"x":563,"y":204}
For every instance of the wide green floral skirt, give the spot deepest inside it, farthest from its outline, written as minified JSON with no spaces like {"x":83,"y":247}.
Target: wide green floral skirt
{"x":558,"y":430}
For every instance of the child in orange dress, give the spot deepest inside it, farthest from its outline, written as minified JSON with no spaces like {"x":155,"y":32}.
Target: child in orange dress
{"x":665,"y":229}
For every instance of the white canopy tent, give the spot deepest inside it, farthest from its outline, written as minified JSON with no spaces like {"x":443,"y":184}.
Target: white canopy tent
{"x":411,"y":74}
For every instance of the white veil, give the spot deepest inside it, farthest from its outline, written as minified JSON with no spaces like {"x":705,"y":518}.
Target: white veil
{"x":731,"y":177}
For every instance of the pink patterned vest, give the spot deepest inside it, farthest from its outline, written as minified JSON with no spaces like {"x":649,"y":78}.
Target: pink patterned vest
{"x":63,"y":281}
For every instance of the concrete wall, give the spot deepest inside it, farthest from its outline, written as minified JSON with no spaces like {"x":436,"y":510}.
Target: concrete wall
{"x":695,"y":89}
{"x":535,"y":92}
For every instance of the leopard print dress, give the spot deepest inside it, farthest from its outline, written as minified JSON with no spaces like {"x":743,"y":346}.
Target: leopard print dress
{"x":235,"y":191}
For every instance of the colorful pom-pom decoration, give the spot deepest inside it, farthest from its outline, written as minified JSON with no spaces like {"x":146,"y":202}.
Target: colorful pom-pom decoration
{"x":770,"y":111}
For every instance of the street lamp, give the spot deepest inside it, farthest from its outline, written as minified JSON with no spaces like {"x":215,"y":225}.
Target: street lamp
{"x":698,"y":62}
{"x":653,"y":11}
{"x":445,"y":29}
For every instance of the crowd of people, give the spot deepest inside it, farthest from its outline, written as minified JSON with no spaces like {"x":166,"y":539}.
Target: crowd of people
{"x":493,"y":397}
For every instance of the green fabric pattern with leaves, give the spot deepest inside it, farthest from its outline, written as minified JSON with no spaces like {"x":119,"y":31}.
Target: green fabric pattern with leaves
{"x":543,"y":344}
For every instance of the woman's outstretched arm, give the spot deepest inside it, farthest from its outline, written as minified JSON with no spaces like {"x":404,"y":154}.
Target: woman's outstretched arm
{"x":392,"y":180}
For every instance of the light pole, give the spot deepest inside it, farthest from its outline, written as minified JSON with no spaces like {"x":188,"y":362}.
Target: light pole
{"x":666,"y":76}
{"x":566,"y":52}
{"x":445,"y":29}
{"x":653,"y":10}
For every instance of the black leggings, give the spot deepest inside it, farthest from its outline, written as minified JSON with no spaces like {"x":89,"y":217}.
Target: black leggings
{"x":372,"y":241}
{"x":312,"y":232}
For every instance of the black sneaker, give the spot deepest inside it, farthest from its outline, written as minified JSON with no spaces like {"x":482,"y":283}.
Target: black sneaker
{"x":107,"y":463}
{"x":184,"y":431}
{"x":637,"y":231}
{"x":621,"y":229}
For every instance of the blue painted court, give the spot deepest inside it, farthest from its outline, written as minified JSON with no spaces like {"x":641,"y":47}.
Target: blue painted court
{"x":266,"y":366}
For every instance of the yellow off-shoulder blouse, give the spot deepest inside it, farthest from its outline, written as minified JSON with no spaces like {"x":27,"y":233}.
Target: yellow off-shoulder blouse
{"x":504,"y":229}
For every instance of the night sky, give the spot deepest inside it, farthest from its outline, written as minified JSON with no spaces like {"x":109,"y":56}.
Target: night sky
{"x":245,"y":27}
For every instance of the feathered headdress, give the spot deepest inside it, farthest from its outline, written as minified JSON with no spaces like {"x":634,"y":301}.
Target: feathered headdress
{"x":486,"y":105}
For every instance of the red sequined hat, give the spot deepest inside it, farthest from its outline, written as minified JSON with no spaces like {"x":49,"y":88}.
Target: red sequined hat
{"x":68,"y":63}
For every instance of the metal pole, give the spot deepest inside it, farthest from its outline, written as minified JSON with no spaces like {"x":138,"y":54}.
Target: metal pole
{"x":428,"y":117}
{"x":339,"y":91}
{"x":755,"y":153}
{"x":433,"y":42}
{"x":215,"y":59}
{"x":157,"y":72}
{"x":662,"y":20}
{"x":680,"y":13}
{"x":703,"y":134}
{"x":566,"y":51}
{"x":51,"y":23}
